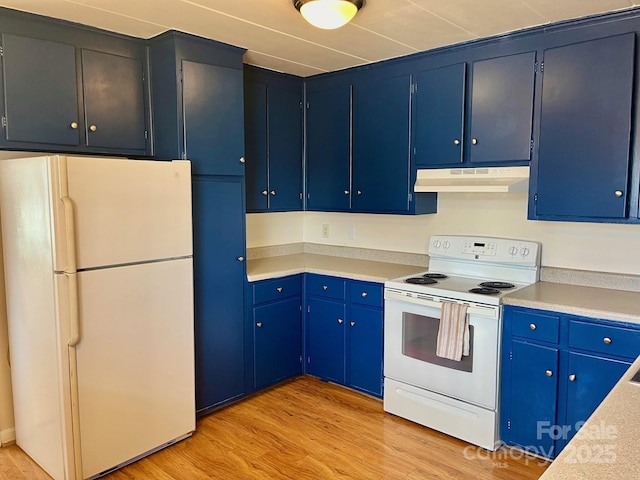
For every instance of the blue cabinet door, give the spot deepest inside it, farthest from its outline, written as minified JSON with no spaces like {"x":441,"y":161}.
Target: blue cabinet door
{"x":438,"y":116}
{"x":213,"y":118}
{"x":532,"y":399}
{"x":381,"y":157}
{"x":364,"y":349}
{"x":329,"y":148}
{"x":502,"y":109}
{"x":255,"y":131}
{"x":285,"y":148}
{"x":590,"y":378}
{"x":219,"y":281}
{"x":277,"y":341}
{"x":326,"y":339}
{"x":585,"y":124}
{"x":40,"y":92}
{"x":114,"y":103}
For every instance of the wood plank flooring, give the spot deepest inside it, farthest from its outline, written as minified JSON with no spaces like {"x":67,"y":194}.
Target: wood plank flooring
{"x":308,"y":429}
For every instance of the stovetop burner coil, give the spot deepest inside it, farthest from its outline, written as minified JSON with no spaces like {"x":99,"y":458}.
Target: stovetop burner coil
{"x":485,"y":291}
{"x":421,"y":281}
{"x":439,"y":276}
{"x":498,"y":285}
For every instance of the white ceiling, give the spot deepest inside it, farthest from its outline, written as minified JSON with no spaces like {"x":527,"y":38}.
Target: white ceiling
{"x":277,"y":37}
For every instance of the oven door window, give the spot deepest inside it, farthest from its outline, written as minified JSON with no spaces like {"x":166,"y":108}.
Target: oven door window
{"x":419,"y":338}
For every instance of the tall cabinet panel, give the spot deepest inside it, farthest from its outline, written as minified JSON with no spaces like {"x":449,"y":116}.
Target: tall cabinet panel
{"x":329,"y":148}
{"x":381,"y":111}
{"x":585,"y":125}
{"x":255,"y":141}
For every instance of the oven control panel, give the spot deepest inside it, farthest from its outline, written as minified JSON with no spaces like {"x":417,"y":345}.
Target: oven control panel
{"x":488,"y":249}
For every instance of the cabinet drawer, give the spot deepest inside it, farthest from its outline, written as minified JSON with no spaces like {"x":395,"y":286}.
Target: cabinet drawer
{"x":618,"y":341}
{"x":325,"y":286}
{"x":365,"y":293}
{"x":535,"y":326}
{"x":269,"y":290}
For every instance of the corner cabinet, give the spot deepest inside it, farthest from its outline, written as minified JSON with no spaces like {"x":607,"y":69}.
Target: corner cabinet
{"x":344,"y":332}
{"x":52,"y":101}
{"x":273,"y":140}
{"x":582,"y":170}
{"x":556,"y":369}
{"x":277,"y":330}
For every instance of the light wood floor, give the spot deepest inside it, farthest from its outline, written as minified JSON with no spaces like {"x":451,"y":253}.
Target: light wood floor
{"x":308,"y":429}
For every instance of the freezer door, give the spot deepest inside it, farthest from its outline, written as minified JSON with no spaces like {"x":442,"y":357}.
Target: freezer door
{"x":125,"y":211}
{"x":135,"y":361}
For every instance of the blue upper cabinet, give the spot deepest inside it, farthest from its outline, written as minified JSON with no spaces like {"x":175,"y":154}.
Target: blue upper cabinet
{"x":53,"y":102}
{"x":198,"y":103}
{"x":381,"y":157}
{"x":328,"y":125}
{"x":273,"y":140}
{"x":438,"y":116}
{"x":500,"y":128}
{"x":583,"y":162}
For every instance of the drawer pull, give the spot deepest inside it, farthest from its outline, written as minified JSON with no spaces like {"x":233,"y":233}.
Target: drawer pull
{"x":572,"y":378}
{"x":532,"y":326}
{"x":353,"y":324}
{"x":607,"y":340}
{"x":340,"y":321}
{"x":259,"y":324}
{"x":549,"y":373}
{"x":279,"y":289}
{"x":324,"y":287}
{"x":364,"y":294}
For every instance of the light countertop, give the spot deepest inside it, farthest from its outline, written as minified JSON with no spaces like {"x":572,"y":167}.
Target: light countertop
{"x":607,"y":445}
{"x":356,"y":269}
{"x":594,"y":302}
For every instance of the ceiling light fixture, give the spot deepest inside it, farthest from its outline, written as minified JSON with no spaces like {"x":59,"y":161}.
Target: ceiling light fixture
{"x":328,"y":14}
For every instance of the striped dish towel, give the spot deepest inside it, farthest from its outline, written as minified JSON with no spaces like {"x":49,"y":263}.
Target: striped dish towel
{"x":453,"y":333}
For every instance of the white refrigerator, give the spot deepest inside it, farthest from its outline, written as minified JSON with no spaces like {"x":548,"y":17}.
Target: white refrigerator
{"x":99,"y":283}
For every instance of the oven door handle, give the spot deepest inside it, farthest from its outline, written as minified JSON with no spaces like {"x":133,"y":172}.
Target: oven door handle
{"x":490,"y":311}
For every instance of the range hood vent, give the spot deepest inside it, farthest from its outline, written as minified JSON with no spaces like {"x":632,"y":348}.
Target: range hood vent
{"x":490,"y":179}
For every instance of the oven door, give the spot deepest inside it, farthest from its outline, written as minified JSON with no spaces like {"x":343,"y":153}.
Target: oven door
{"x":410,"y":334}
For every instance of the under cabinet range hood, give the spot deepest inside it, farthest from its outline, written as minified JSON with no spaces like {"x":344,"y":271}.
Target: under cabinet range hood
{"x":489,"y":179}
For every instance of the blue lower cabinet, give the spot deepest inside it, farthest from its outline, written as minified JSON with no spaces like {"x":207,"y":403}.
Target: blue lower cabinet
{"x":344,"y":332}
{"x":219,"y":280}
{"x":556,"y":370}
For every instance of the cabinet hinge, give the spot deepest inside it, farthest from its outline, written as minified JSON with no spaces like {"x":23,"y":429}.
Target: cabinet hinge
{"x":300,"y":308}
{"x":300,"y":358}
{"x":410,"y":197}
{"x":301,"y":105}
{"x":508,"y":424}
{"x":307,"y":105}
{"x":538,"y":67}
{"x":308,"y":309}
{"x":308,"y":359}
{"x":532,"y":144}
{"x":414,"y":87}
{"x":1,"y":51}
{"x":300,"y":196}
{"x":308,"y":196}
{"x":535,"y":198}
{"x":510,"y":354}
{"x":146,"y":134}
{"x":4,"y":122}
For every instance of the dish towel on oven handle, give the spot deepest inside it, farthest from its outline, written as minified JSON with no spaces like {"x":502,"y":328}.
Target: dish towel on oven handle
{"x":453,"y":333}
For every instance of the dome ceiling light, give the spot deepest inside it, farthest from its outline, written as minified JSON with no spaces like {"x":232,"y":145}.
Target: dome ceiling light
{"x":328,"y":14}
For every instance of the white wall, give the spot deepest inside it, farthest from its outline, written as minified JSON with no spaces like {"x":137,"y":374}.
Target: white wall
{"x":583,"y":246}
{"x":7,"y":432}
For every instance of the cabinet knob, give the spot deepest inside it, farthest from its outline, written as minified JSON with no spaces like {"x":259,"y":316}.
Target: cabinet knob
{"x":241,"y":259}
{"x":532,"y":326}
{"x":456,"y":142}
{"x":340,"y":321}
{"x":74,"y":125}
{"x":279,"y":289}
{"x":324,"y":287}
{"x":265,"y":193}
{"x":346,"y":192}
{"x":241,"y":159}
{"x":607,"y":340}
{"x":549,"y":373}
{"x":474,"y":141}
{"x":93,"y":128}
{"x":572,"y":377}
{"x":273,"y":193}
{"x":259,"y":324}
{"x":364,"y":294}
{"x":618,"y":193}
{"x":358,"y":192}
{"x":353,"y":324}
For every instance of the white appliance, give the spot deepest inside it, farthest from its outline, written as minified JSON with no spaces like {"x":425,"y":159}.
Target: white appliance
{"x":481,"y":179}
{"x":459,"y":398}
{"x":98,"y":267}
